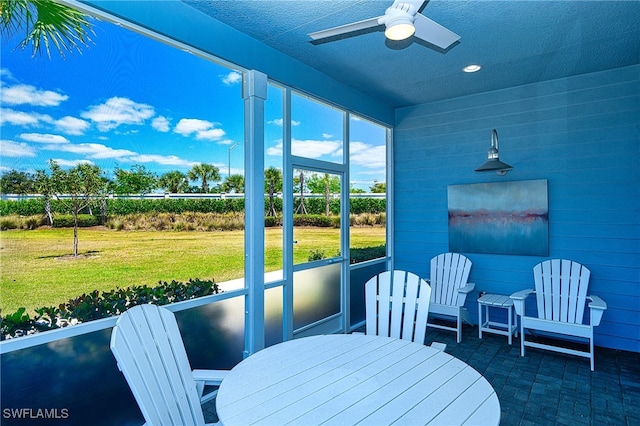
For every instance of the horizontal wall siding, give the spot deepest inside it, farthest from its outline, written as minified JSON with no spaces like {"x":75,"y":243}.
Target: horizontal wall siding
{"x":582,"y":134}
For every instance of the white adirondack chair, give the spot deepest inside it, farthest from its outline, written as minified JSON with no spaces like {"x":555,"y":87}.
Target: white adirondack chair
{"x":147,"y":345}
{"x":449,"y":289}
{"x":397,"y":305}
{"x":561,"y":295}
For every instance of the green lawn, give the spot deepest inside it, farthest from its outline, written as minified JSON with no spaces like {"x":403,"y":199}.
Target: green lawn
{"x":36,"y":270}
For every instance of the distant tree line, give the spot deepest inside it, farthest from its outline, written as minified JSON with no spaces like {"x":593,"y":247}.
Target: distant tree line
{"x":139,"y":180}
{"x":84,"y":187}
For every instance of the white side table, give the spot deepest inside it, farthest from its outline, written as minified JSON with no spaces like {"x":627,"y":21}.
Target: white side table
{"x":497,"y":301}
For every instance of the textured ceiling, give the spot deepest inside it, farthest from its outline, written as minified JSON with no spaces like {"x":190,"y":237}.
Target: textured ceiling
{"x":516,"y":42}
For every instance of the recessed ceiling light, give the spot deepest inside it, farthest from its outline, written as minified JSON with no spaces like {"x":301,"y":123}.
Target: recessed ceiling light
{"x":471,"y":68}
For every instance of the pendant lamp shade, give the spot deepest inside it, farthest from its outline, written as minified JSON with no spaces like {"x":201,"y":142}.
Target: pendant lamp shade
{"x":493,"y":163}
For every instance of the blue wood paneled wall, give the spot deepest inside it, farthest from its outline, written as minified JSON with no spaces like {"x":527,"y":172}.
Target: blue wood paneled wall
{"x":582,"y":134}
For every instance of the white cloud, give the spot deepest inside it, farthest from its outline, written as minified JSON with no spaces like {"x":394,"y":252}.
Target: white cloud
{"x":71,"y":125}
{"x":275,"y":150}
{"x":20,"y":118}
{"x":327,"y":135}
{"x":91,"y":150}
{"x":211,"y":134}
{"x":43,"y":138}
{"x":232,"y":78}
{"x":161,"y":124}
{"x":16,"y":149}
{"x":167,"y":160}
{"x":203,"y":129}
{"x":117,"y":111}
{"x":71,"y":163}
{"x":313,"y":148}
{"x":6,"y":73}
{"x":371,"y":157}
{"x":21,"y":94}
{"x":309,"y":148}
{"x":278,"y":122}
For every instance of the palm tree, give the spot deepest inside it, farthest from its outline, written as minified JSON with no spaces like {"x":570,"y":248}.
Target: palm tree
{"x":204,"y":173}
{"x":300,"y":181}
{"x":233,"y":183}
{"x":45,"y":23}
{"x":273,"y":184}
{"x":174,"y":182}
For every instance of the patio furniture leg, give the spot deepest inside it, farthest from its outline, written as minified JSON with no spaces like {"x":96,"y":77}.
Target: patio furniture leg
{"x":479,"y":321}
{"x":521,"y":338}
{"x":510,"y":315}
{"x":592,"y":355}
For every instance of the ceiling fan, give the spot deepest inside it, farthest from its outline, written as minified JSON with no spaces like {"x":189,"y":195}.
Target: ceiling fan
{"x":402,"y":20}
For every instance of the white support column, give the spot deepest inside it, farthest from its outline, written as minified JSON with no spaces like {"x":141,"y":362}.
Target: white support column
{"x":345,"y":226}
{"x":287,"y":219}
{"x":254,"y":93}
{"x":390,"y":201}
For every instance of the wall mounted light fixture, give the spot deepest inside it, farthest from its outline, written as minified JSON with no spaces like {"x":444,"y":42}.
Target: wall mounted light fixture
{"x":493,"y":163}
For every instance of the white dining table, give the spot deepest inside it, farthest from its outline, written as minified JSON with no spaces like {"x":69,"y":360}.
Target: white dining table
{"x":346,"y":379}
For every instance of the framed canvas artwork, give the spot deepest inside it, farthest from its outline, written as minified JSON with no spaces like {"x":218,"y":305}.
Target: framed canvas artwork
{"x":499,"y":218}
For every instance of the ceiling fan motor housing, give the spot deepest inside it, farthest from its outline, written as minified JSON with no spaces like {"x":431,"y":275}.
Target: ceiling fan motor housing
{"x":398,"y":20}
{"x":400,"y":13}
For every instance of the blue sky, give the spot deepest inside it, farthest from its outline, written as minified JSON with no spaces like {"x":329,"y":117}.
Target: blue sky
{"x":128,"y":99}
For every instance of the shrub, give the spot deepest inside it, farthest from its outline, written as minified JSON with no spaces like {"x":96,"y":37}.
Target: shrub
{"x":312,"y":220}
{"x":368,"y":205}
{"x":271,"y":221}
{"x":367,"y":253}
{"x":126,"y":206}
{"x":96,"y":305}
{"x":368,"y":219}
{"x":66,"y":220}
{"x":21,"y":222}
{"x":8,"y":223}
{"x":316,"y":254}
{"x":29,"y":207}
{"x":189,"y":221}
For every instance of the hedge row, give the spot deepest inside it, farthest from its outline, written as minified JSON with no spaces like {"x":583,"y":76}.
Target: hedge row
{"x":317,"y":220}
{"x":177,"y":205}
{"x":96,"y":305}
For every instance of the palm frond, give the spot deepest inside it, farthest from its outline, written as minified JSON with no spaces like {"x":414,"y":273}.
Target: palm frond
{"x":46,"y":24}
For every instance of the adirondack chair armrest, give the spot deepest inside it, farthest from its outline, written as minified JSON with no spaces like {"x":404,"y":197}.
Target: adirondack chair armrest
{"x":208,"y":377}
{"x":519,"y":298}
{"x":467,"y":288}
{"x":597,"y":306}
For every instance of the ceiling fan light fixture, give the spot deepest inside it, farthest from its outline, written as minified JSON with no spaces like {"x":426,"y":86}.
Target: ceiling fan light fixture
{"x":400,"y":29}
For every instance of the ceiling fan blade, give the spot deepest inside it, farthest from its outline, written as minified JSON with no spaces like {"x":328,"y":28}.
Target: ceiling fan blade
{"x":434,"y":33}
{"x":343,"y":29}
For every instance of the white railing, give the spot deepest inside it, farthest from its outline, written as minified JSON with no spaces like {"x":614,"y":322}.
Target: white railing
{"x":162,"y":196}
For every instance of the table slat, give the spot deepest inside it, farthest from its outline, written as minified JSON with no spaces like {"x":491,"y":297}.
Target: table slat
{"x":355,"y":379}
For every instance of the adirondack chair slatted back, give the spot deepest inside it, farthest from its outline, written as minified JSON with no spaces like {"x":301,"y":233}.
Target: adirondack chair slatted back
{"x":449,"y":272}
{"x":397,"y":305}
{"x":561,"y":290}
{"x":148,"y":347}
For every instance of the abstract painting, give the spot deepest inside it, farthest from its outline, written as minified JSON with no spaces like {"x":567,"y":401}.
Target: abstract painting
{"x":499,"y":218}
